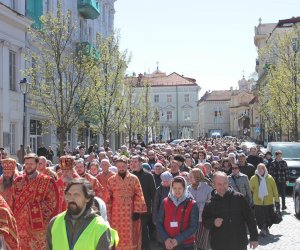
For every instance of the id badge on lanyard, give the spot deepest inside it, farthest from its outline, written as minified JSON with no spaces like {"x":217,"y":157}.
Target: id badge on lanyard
{"x":173,"y":224}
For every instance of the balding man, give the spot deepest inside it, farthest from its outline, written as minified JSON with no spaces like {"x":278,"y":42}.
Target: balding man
{"x":43,"y":169}
{"x":104,"y":176}
{"x":227,"y":215}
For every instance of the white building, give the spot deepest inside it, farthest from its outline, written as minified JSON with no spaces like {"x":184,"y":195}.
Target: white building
{"x":13,"y":25}
{"x":92,"y":17}
{"x":175,"y":98}
{"x":214,"y":113}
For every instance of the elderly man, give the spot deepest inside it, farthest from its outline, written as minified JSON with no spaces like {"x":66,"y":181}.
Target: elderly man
{"x":104,"y":176}
{"x":6,"y":180}
{"x":35,"y":203}
{"x":82,"y":172}
{"x":226,"y":216}
{"x":42,"y":168}
{"x":126,"y":203}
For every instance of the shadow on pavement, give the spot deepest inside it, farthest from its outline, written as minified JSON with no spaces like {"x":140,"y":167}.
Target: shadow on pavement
{"x":264,"y":240}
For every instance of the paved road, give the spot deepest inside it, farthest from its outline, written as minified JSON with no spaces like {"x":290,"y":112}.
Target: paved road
{"x":283,"y":236}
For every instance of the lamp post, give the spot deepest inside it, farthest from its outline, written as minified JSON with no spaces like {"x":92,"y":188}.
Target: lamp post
{"x":24,"y":87}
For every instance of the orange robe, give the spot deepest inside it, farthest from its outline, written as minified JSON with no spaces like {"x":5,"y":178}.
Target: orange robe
{"x":8,"y":226}
{"x":125,"y":198}
{"x":35,"y":203}
{"x":97,"y":187}
{"x":103,"y":179}
{"x":7,"y":193}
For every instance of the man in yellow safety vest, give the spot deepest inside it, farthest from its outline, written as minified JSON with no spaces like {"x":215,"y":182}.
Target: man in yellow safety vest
{"x":79,"y":227}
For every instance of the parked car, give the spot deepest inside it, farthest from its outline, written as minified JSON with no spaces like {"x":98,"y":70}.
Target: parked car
{"x":296,"y":197}
{"x":291,"y":154}
{"x":246,"y":145}
{"x":179,"y":141}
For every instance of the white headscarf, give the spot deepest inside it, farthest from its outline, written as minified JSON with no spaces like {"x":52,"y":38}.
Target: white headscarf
{"x":262,"y":190}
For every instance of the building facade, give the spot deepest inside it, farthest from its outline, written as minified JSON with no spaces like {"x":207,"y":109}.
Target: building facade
{"x":241,"y":114}
{"x":13,"y":26}
{"x":91,"y":16}
{"x":174,"y":97}
{"x":213,"y":109}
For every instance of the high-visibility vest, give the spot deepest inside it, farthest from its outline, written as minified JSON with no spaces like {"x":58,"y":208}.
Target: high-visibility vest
{"x":88,"y":240}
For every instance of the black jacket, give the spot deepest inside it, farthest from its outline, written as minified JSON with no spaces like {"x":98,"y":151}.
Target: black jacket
{"x":254,"y":160}
{"x":148,"y":186}
{"x":248,"y":170}
{"x":236,"y":213}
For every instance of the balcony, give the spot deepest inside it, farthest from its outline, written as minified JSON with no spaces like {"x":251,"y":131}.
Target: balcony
{"x":88,"y":9}
{"x":34,"y":10}
{"x":88,"y":49}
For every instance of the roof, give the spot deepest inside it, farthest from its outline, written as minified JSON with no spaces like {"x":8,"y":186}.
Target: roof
{"x":288,"y":22}
{"x":254,"y":100}
{"x":216,"y":95}
{"x":159,"y":79}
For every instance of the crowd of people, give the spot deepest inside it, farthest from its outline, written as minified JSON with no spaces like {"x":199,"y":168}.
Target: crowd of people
{"x":207,"y":194}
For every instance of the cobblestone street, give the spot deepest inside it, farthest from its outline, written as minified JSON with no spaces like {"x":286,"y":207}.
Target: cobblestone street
{"x":284,"y":235}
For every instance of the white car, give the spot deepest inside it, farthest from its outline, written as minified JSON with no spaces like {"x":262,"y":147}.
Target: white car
{"x":179,"y":141}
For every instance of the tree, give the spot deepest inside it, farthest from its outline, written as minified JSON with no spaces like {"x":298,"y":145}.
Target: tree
{"x":136,"y":110}
{"x":60,"y":73}
{"x":280,"y":95}
{"x":109,"y":101}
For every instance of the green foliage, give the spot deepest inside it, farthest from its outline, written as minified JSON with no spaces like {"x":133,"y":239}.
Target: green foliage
{"x":60,"y":73}
{"x":109,"y":100}
{"x":279,"y":96}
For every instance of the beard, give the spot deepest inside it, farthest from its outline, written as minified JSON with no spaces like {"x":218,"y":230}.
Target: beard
{"x":73,"y":209}
{"x":7,"y":182}
{"x":30,"y":172}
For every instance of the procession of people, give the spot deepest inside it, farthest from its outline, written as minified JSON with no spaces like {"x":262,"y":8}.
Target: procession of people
{"x":205,"y":194}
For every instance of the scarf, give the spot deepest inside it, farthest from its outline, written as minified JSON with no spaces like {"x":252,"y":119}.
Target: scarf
{"x":177,"y":201}
{"x":262,"y":190}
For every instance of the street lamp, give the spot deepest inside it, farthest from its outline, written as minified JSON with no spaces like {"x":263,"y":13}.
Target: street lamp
{"x":24,"y":87}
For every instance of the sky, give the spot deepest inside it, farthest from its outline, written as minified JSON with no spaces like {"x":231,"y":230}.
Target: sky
{"x":211,"y":41}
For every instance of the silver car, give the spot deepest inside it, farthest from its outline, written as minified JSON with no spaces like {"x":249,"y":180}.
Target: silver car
{"x":296,"y":197}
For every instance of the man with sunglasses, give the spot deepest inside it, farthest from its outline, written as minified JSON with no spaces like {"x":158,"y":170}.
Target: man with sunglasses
{"x":240,"y":183}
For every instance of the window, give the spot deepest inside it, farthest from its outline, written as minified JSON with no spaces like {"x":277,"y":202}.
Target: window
{"x":48,"y":6}
{"x":13,"y":4}
{"x":218,"y":115}
{"x":12,"y":70}
{"x":90,"y":34}
{"x":169,"y":98}
{"x":186,"y":115}
{"x":35,"y":127}
{"x":169,"y":115}
{"x":12,"y":138}
{"x":156,"y":98}
{"x":186,"y":97}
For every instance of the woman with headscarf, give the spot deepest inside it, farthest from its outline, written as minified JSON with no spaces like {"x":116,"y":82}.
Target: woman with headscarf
{"x":178,"y":217}
{"x":264,"y":190}
{"x":201,"y":192}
